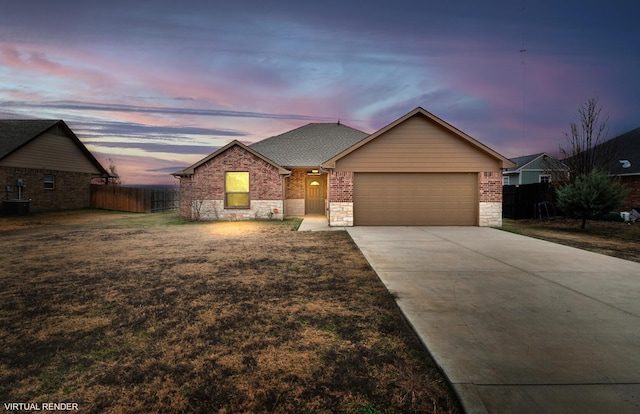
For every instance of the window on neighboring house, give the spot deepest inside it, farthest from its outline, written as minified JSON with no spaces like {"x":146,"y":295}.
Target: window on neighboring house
{"x":49,"y":181}
{"x":545,"y":178}
{"x":505,"y":180}
{"x":236,"y":189}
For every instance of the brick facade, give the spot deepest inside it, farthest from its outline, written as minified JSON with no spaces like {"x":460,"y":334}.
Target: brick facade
{"x":340,"y":187}
{"x":491,"y":187}
{"x":294,"y":192}
{"x":205,"y":189}
{"x":632,"y":183}
{"x":490,"y":200}
{"x":71,"y":189}
{"x":294,"y":184}
{"x":340,"y":201}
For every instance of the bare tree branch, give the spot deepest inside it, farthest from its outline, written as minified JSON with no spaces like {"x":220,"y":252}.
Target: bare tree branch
{"x":586,"y":145}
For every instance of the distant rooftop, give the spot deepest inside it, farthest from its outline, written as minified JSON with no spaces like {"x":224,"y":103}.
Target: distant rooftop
{"x":627,"y":153}
{"x":524,"y":160}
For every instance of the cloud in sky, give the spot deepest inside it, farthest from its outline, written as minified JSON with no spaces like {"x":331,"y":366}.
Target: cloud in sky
{"x":158,"y":86}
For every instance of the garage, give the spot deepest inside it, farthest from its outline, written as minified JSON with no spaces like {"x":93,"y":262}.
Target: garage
{"x":416,"y":171}
{"x":415,"y":199}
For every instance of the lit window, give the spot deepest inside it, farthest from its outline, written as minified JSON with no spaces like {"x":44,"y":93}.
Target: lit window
{"x":236,"y":188}
{"x":49,"y":181}
{"x":545,"y":178}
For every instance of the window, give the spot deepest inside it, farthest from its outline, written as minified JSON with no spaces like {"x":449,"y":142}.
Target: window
{"x":236,"y":189}
{"x":505,"y":180}
{"x":545,"y":178}
{"x":49,"y":181}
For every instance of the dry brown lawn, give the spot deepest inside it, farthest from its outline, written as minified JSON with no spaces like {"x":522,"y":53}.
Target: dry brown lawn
{"x":612,"y":238}
{"x":139,"y":313}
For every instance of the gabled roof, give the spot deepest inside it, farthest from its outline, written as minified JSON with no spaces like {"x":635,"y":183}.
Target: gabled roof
{"x":627,"y":148}
{"x":191,"y":169}
{"x":309,"y":145}
{"x":526,"y":160}
{"x":15,"y":133}
{"x":420,"y":111}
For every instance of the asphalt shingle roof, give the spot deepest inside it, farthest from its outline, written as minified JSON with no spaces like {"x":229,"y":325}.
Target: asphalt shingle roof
{"x":309,"y":145}
{"x":14,"y":133}
{"x":522,"y":161}
{"x":627,"y":147}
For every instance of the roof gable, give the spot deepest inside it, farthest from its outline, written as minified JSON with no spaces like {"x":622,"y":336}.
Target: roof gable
{"x":309,"y":145}
{"x":191,"y":169}
{"x":16,"y":134}
{"x":533,"y":161}
{"x":331,"y":163}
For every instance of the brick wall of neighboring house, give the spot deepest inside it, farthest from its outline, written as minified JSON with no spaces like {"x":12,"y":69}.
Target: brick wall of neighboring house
{"x":632,"y":183}
{"x":340,"y":187}
{"x":71,"y":189}
{"x":265,"y":183}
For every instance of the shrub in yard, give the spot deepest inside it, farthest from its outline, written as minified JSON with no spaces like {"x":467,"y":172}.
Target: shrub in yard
{"x":591,"y":194}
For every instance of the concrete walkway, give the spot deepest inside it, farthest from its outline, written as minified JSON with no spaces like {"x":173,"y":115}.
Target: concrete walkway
{"x":518,"y":325}
{"x":316,"y":223}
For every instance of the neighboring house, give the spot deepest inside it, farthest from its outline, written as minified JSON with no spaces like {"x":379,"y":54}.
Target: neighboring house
{"x":43,"y":161}
{"x":626,"y":165}
{"x":418,"y":170}
{"x":532,"y":169}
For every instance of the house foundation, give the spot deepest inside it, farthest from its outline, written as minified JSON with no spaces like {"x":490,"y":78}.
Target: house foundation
{"x":258,"y":210}
{"x":341,"y":214}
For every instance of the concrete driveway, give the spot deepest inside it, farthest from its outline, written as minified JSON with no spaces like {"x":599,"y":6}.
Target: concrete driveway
{"x":518,"y":325}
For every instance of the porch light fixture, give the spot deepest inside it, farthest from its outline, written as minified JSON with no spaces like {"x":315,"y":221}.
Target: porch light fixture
{"x":313,"y":172}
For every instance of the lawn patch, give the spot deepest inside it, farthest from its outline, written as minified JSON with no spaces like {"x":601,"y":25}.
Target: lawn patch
{"x":124,"y":314}
{"x":612,"y":238}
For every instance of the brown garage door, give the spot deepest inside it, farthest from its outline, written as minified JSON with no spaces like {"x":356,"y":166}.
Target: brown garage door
{"x":415,"y":199}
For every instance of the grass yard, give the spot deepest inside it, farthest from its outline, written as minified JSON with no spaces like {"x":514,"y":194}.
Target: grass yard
{"x":139,"y":313}
{"x":612,"y":238}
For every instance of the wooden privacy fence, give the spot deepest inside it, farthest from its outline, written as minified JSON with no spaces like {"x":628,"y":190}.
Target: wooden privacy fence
{"x":136,"y":200}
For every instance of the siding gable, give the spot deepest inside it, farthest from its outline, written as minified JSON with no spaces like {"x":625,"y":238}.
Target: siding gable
{"x":418,"y":145}
{"x":51,"y":151}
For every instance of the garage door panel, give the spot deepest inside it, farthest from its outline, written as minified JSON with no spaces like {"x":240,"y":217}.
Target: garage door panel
{"x":415,"y":199}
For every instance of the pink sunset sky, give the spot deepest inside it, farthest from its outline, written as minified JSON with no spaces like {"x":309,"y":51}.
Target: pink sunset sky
{"x":156,"y":86}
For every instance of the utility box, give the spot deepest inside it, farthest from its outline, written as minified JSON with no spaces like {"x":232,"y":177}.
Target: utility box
{"x":15,"y":207}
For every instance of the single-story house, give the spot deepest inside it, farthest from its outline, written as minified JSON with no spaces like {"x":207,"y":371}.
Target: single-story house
{"x":625,"y":164}
{"x":533,"y":169}
{"x":418,"y":170}
{"x":44,"y":161}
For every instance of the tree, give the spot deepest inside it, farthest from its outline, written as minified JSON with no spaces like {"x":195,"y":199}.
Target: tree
{"x":113,"y":171}
{"x":586,"y":147}
{"x":591,"y":194}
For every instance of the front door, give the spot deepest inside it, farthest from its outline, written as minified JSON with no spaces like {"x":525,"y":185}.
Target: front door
{"x":315,"y":194}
